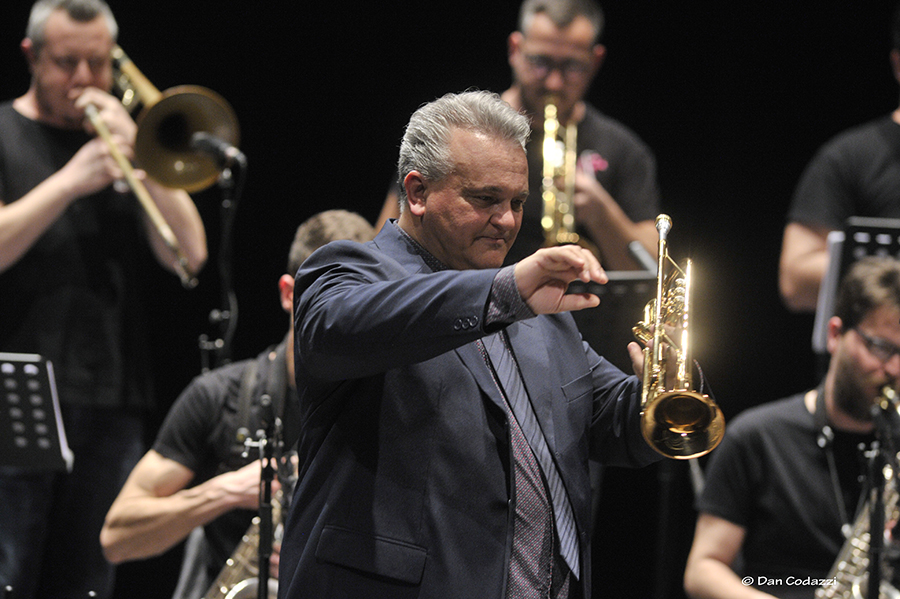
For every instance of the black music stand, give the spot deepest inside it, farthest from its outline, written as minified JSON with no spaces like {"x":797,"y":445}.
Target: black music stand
{"x":31,"y":429}
{"x":607,"y":328}
{"x":861,"y":237}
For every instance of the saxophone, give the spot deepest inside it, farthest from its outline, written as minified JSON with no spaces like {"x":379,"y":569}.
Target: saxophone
{"x":848,"y":577}
{"x":239,"y":579}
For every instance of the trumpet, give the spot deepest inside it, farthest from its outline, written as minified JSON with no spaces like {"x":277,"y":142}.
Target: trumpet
{"x":676,"y":421}
{"x":167,"y":124}
{"x":560,"y":158}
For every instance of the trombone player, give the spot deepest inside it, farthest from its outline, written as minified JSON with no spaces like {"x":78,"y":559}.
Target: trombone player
{"x":69,"y":256}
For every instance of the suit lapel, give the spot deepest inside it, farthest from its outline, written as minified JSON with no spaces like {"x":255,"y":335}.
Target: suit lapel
{"x":473,"y":359}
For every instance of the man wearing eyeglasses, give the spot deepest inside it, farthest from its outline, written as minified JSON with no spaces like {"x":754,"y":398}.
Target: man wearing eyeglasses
{"x":784,"y":487}
{"x":556,"y":53}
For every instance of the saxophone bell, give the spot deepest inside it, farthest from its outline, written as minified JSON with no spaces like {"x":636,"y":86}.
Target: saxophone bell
{"x":239,"y":578}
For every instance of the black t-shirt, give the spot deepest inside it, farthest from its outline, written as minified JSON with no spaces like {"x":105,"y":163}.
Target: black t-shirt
{"x":72,"y":296}
{"x":770,"y":476}
{"x":200,"y":432}
{"x":622,"y":163}
{"x":855,"y":174}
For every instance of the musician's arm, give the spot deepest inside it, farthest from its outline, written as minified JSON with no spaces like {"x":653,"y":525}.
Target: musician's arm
{"x":608,"y":225}
{"x":709,"y":574}
{"x":180,"y":213}
{"x":804,"y":260}
{"x":24,"y":221}
{"x":155,"y":509}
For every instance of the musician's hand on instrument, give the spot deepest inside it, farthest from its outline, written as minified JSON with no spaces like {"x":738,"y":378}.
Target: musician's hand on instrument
{"x":275,"y":559}
{"x":243,"y":485}
{"x":91,"y":169}
{"x":636,"y":353}
{"x":543,"y":277}
{"x":589,"y":198}
{"x":112,"y":113}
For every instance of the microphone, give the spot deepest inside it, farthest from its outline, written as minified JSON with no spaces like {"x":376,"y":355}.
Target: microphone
{"x":216,"y":148}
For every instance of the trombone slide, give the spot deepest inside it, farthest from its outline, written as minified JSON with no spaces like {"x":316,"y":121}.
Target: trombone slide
{"x":188,"y":280}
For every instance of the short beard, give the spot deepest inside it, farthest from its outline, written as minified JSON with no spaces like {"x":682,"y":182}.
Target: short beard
{"x":849,"y":393}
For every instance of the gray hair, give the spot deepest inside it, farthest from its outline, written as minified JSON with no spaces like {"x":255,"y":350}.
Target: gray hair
{"x":562,"y":13}
{"x":82,"y":11}
{"x":425,"y":144}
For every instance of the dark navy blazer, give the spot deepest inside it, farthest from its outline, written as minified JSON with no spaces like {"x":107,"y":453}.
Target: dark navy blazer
{"x":404,"y":454}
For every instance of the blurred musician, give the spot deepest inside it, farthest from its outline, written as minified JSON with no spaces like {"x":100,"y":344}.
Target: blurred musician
{"x":195,"y":475}
{"x":556,"y":53}
{"x":783,"y":489}
{"x":857,"y":173}
{"x":69,"y":254}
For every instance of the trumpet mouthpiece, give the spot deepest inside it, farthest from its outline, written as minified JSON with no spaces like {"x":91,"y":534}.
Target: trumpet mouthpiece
{"x":663,"y":225}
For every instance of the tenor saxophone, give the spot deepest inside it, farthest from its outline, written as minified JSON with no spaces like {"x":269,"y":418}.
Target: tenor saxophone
{"x":239,"y":579}
{"x":848,"y":578}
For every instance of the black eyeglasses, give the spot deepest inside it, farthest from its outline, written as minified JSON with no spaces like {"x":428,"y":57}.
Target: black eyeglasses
{"x":880,"y":348}
{"x":542,"y":66}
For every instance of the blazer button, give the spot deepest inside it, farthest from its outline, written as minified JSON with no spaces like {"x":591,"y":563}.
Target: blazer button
{"x":457,"y":324}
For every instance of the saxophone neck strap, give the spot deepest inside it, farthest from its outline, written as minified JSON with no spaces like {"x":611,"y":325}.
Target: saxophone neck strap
{"x":825,"y":440}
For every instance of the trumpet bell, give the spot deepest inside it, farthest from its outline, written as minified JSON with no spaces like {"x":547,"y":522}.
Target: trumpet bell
{"x":165,"y":128}
{"x":682,"y":424}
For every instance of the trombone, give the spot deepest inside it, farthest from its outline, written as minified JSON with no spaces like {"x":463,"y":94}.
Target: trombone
{"x":168,"y":124}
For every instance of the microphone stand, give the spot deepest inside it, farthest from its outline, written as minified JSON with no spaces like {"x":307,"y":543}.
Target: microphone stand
{"x":876,"y":522}
{"x":887,"y":429}
{"x":225,"y":318}
{"x":267,"y":442}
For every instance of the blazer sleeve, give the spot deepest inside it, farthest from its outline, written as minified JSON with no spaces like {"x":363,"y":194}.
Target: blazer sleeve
{"x":616,"y":438}
{"x":358,"y":312}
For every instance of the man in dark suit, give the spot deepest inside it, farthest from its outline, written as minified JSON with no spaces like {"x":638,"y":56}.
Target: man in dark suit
{"x":446,"y":427}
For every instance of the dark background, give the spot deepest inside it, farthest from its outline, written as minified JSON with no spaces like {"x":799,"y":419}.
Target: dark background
{"x":734,"y":98}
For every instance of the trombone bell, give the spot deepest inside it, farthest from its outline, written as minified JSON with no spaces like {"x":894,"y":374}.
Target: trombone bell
{"x":167,"y":123}
{"x":163,"y":144}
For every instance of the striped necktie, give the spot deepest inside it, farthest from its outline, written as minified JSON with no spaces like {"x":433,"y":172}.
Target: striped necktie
{"x":510,"y":379}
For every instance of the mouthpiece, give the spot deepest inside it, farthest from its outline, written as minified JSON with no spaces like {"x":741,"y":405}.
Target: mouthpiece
{"x":663,"y":225}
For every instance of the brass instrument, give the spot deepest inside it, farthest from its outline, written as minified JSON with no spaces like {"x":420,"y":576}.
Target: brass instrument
{"x":167,"y":122}
{"x":560,"y":158}
{"x":849,"y":575}
{"x":239,"y":579}
{"x":676,"y":420}
{"x":166,"y":125}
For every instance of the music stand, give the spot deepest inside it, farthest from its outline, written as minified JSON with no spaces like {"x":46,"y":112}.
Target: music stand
{"x":31,"y":429}
{"x":607,"y":328}
{"x":861,"y":237}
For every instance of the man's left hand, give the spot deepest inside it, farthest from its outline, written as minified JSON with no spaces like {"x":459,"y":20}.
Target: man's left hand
{"x":543,"y":277}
